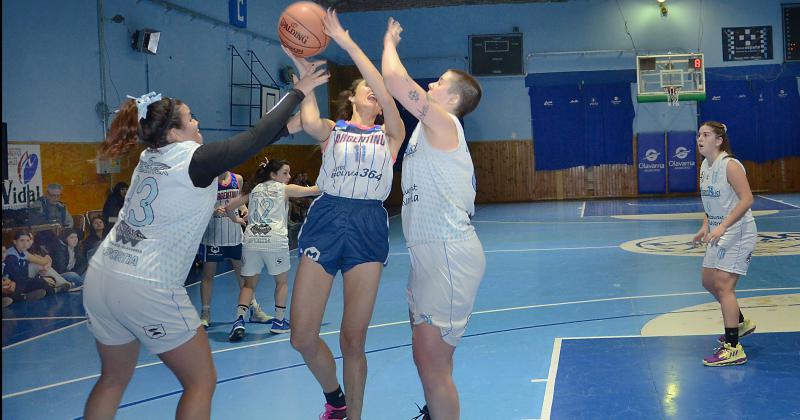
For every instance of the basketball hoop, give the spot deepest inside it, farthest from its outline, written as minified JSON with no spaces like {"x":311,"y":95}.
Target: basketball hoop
{"x":672,"y":95}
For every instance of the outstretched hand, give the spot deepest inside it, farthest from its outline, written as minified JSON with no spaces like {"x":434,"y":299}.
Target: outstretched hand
{"x":393,"y":30}
{"x":334,"y":29}
{"x":304,"y":66}
{"x":308,"y":82}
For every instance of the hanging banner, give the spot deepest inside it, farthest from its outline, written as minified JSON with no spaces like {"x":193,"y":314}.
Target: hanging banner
{"x":682,"y":162}
{"x":651,"y":163}
{"x":24,"y":183}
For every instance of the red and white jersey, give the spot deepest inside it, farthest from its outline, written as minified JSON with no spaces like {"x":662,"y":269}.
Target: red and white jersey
{"x":356,"y":163}
{"x":221,"y":230}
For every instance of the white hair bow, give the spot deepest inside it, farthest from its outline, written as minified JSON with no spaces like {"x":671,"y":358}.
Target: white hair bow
{"x":724,"y":128}
{"x":144,"y":101}
{"x":264,"y":163}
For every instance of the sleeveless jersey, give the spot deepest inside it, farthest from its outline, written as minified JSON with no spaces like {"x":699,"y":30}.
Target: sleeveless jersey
{"x":161,"y":222}
{"x":356,"y":163}
{"x":269,"y":210}
{"x":719,"y":197}
{"x":438,"y":190}
{"x":221,"y":230}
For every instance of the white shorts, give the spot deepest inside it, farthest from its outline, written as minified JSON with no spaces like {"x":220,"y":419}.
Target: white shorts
{"x":442,"y":285}
{"x":733,"y":256}
{"x":277,"y":262}
{"x":121,"y":309}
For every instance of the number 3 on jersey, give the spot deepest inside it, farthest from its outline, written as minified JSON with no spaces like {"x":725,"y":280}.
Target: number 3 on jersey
{"x":145,"y":192}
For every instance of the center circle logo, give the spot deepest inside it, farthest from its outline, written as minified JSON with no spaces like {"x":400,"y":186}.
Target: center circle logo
{"x":771,"y":244}
{"x":681,"y":152}
{"x":651,"y":155}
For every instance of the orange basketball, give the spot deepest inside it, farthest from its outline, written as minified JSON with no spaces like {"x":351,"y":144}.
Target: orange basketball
{"x":300,"y":29}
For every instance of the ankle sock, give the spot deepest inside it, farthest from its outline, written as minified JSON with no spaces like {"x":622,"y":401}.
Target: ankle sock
{"x":336,"y":397}
{"x":241,"y":311}
{"x":280,"y":312}
{"x":741,"y":317}
{"x":732,"y":336}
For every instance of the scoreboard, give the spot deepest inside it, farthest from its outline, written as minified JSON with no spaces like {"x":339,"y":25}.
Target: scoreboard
{"x":747,"y":43}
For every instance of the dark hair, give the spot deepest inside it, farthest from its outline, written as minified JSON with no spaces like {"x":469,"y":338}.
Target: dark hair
{"x":117,"y":190}
{"x":20,"y":233}
{"x":469,"y":91}
{"x":722,"y":131}
{"x":127,"y":128}
{"x":263,"y":174}
{"x":66,"y":232}
{"x":344,"y":108}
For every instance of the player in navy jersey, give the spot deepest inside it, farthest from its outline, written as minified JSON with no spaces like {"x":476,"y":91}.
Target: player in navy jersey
{"x":447,"y":260}
{"x":134,"y":290}
{"x":223,"y":240}
{"x":346,"y":228}
{"x":730,"y":234}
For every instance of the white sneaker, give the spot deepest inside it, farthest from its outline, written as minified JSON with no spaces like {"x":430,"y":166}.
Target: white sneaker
{"x":258,"y":315}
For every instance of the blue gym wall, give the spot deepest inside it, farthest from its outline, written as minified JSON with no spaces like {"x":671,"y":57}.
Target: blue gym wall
{"x":51,"y":80}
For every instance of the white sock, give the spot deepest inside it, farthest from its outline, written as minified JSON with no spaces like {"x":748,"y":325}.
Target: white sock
{"x":254,"y":302}
{"x":241,"y":311}
{"x":206,"y":309}
{"x":279,"y":312}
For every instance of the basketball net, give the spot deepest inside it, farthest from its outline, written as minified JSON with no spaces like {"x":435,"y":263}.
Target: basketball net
{"x":672,"y":95}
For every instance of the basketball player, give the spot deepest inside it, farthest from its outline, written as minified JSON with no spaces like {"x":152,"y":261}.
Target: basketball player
{"x":347,"y":227}
{"x":729,"y":230}
{"x":134,"y":286}
{"x":447,"y":261}
{"x":223,"y":240}
{"x":266,"y":239}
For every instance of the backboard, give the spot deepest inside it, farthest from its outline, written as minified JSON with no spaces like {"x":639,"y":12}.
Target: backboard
{"x":670,"y":78}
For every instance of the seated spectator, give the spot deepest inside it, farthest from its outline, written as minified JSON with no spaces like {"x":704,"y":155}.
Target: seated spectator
{"x":40,"y":258}
{"x":68,"y":259}
{"x":16,"y":267}
{"x":11,"y":293}
{"x":114,"y":203}
{"x":97,"y":232}
{"x":52,"y":209}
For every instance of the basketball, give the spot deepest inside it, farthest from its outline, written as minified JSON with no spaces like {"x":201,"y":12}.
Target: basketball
{"x":301,"y":30}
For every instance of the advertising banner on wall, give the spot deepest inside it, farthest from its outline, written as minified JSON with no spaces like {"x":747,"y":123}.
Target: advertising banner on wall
{"x":651,"y":163}
{"x":24,"y":183}
{"x":682,"y":162}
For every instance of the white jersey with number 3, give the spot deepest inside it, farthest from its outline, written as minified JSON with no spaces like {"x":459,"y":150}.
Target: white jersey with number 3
{"x":356,"y":163}
{"x":162,"y":221}
{"x":719,"y":198}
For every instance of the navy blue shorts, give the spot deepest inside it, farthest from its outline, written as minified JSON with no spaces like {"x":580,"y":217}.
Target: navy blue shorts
{"x":211,"y":253}
{"x":341,"y":233}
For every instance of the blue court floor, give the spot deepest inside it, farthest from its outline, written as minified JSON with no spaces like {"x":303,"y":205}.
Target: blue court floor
{"x":588,"y":310}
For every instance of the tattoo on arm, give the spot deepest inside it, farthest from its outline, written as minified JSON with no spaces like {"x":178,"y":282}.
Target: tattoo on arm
{"x":424,"y":111}
{"x":413,"y":95}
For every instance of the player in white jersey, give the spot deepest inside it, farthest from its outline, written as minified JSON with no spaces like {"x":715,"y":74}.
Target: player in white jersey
{"x":347,"y":228}
{"x":730,"y":234}
{"x":266,"y":239}
{"x":447,"y":260}
{"x":223,"y":240}
{"x":134,"y":290}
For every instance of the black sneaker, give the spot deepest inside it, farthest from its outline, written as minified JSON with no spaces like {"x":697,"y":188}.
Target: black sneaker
{"x":237,"y":332}
{"x":423,"y":413}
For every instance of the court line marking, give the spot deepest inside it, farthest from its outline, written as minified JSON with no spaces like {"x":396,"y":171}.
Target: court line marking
{"x":388,"y":324}
{"x":547,"y":403}
{"x":492,"y":251}
{"x":619,"y":221}
{"x":778,"y":201}
{"x":583,"y":209}
{"x":42,"y":335}
{"x":43,"y":318}
{"x":538,"y":380}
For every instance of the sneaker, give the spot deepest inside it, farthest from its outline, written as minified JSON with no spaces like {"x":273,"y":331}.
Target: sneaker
{"x":205,"y":319}
{"x":745,"y":328}
{"x":280,"y":326}
{"x":332,"y":412}
{"x":237,"y":332}
{"x":258,"y":315}
{"x":423,"y":413}
{"x":726,"y":356}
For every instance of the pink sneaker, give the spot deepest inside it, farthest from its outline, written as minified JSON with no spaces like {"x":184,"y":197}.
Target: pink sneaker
{"x":332,"y":412}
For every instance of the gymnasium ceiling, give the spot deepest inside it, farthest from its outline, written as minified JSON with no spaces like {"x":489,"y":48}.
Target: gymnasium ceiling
{"x":344,"y":6}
